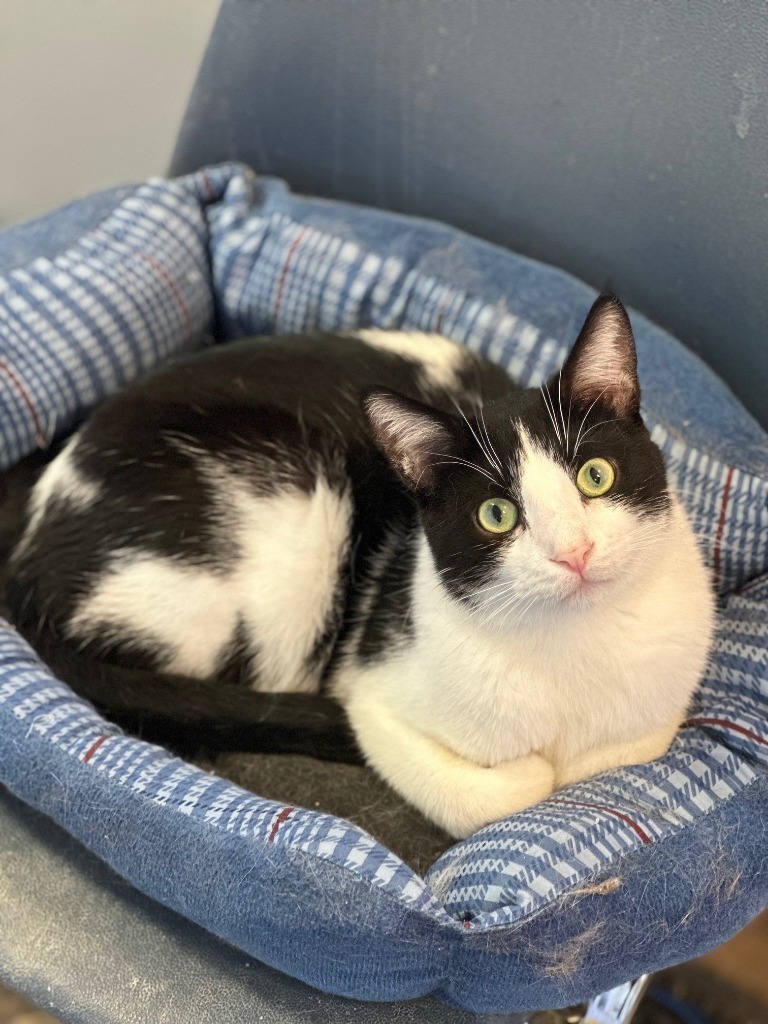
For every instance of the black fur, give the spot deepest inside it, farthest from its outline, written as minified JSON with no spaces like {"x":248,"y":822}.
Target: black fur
{"x":389,"y":616}
{"x":194,"y":716}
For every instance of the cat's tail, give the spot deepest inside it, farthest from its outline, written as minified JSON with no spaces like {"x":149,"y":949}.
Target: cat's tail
{"x":193,"y":716}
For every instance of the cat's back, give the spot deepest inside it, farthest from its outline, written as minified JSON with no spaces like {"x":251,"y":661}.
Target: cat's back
{"x":202,"y":522}
{"x":306,"y":372}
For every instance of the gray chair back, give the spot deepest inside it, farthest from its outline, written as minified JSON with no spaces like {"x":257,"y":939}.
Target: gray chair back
{"x":626,"y":142}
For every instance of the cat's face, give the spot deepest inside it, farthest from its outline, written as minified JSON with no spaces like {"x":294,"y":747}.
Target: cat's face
{"x":544,"y":500}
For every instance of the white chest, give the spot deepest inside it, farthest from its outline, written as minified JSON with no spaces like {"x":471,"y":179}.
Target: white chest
{"x":585,"y":681}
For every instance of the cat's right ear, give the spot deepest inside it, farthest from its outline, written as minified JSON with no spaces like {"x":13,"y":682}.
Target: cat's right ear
{"x":602,"y":366}
{"x":415,"y":438}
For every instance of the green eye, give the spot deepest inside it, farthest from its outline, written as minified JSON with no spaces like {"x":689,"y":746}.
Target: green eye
{"x":497,"y":515}
{"x":595,"y":478}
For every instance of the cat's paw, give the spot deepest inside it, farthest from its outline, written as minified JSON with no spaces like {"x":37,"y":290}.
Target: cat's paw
{"x":494,"y":793}
{"x":640,"y":751}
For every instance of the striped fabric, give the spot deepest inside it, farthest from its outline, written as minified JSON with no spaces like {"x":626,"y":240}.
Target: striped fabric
{"x":143,"y":286}
{"x":49,"y":709}
{"x":77,"y":328}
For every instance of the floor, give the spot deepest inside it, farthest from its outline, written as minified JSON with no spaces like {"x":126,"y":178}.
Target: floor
{"x":741,"y":963}
{"x":744,"y":960}
{"x":15,"y":1010}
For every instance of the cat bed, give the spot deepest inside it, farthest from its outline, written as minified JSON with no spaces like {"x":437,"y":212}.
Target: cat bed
{"x":629,"y":872}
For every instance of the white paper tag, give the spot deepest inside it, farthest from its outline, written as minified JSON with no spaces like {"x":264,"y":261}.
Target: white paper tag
{"x":617,"y":1005}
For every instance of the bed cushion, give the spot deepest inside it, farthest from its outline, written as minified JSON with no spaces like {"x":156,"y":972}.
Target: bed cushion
{"x":628,"y":872}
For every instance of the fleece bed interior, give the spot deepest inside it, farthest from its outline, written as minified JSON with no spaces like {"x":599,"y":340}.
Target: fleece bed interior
{"x":629,"y":872}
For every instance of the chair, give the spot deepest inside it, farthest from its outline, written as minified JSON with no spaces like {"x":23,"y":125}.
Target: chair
{"x":606,"y":174}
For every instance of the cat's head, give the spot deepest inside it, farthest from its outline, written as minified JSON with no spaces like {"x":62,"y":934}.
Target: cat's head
{"x":543,"y":499}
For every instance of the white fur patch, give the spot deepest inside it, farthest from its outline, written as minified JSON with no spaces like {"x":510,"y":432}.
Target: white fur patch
{"x":557,"y":519}
{"x":292,"y":548}
{"x":62,"y":479}
{"x":440,"y":360}
{"x":532,"y":580}
{"x":146,"y":598}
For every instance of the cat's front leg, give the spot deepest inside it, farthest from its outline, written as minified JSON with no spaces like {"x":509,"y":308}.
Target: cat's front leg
{"x":640,"y":751}
{"x":456,"y":794}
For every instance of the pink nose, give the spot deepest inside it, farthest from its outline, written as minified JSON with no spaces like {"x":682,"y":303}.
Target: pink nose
{"x":576,"y":559}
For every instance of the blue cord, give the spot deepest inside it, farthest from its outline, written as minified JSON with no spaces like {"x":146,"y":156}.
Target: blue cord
{"x":684,"y":1012}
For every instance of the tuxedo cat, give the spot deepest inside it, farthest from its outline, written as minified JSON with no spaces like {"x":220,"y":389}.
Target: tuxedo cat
{"x":495,"y":584}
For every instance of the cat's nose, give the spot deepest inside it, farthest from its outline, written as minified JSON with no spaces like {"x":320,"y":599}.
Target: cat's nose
{"x":576,"y":558}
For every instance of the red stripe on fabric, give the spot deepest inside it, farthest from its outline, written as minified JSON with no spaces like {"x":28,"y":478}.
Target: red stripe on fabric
{"x":723,"y":723}
{"x":639,"y":832}
{"x":93,"y":748}
{"x":284,"y":273}
{"x":721,"y":523}
{"x":282,"y":817}
{"x":441,"y":312}
{"x":751,"y":585}
{"x":18,"y":383}
{"x":210,"y":191}
{"x":174,"y":290}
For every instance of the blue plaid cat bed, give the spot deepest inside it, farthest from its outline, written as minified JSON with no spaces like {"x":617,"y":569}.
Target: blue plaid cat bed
{"x":628,"y":872}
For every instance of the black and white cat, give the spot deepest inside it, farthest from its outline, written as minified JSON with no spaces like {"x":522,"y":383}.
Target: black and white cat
{"x":496,"y":584}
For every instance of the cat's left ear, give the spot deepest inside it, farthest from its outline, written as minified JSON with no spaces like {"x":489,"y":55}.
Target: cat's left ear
{"x":415,"y":438}
{"x":602,"y":366}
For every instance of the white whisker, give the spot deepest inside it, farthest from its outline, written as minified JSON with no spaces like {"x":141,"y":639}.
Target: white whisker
{"x":480,"y":444}
{"x":589,"y":410}
{"x":550,"y":409}
{"x":452,"y":459}
{"x":559,"y":402}
{"x":487,"y":437}
{"x":593,"y":427}
{"x":568,"y":427}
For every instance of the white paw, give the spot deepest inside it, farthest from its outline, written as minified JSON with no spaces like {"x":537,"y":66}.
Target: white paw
{"x":488,"y":794}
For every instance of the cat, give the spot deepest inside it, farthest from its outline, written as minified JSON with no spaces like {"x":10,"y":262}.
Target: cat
{"x":493,"y":587}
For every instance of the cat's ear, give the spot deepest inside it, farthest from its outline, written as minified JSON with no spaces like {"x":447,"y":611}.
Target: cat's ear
{"x":414,"y":437}
{"x":602,"y":366}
